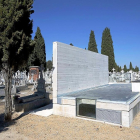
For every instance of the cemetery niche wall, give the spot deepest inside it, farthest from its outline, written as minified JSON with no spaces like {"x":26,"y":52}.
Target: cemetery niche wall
{"x":81,"y":88}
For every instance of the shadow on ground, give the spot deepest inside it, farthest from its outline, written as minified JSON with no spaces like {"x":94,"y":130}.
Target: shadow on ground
{"x":4,"y":126}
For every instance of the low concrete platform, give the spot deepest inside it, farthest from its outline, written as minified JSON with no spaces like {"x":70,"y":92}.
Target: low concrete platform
{"x":112,"y":103}
{"x":119,"y":93}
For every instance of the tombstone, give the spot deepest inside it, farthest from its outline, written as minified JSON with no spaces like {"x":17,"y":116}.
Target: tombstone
{"x":127,"y":77}
{"x":131,"y":72}
{"x":18,"y":74}
{"x":41,"y":82}
{"x":34,"y":86}
{"x":122,"y":71}
{"x":113,"y":70}
{"x":122,"y":76}
{"x":28,"y":76}
{"x":32,"y":79}
{"x":13,"y":90}
{"x":13,"y":81}
{"x":34,"y":71}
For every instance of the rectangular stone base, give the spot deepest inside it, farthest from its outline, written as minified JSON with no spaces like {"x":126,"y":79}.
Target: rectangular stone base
{"x":108,"y":112}
{"x":24,"y":107}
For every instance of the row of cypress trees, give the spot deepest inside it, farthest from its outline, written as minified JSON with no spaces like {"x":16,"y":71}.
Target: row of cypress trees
{"x":107,"y":49}
{"x":106,"y":46}
{"x":136,"y":69}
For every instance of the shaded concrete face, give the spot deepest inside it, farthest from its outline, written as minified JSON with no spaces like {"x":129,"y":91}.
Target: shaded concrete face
{"x":77,"y":69}
{"x":86,"y":108}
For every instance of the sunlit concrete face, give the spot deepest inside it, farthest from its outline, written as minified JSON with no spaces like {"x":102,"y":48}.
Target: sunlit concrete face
{"x":119,"y":93}
{"x":81,"y":76}
{"x":77,"y":69}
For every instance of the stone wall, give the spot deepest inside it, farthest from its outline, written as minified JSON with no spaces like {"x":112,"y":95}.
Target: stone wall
{"x":77,"y":69}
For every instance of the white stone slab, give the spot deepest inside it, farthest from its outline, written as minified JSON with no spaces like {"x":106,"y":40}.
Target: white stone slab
{"x":135,"y":87}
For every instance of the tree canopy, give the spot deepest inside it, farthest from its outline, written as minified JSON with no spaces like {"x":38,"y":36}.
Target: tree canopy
{"x":136,"y":69}
{"x":92,"y":46}
{"x":130,"y":66}
{"x":107,"y":47}
{"x":15,"y":32}
{"x":125,"y":68}
{"x":49,"y":65}
{"x":15,"y":41}
{"x":38,"y":56}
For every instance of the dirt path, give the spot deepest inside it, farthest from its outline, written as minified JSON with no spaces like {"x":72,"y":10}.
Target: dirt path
{"x":33,"y":127}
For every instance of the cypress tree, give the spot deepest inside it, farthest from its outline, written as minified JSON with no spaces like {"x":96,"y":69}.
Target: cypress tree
{"x":92,"y":46}
{"x":125,"y":68}
{"x":38,"y":56}
{"x":120,"y":68}
{"x":136,"y":69}
{"x":116,"y":67}
{"x":15,"y":42}
{"x":107,"y":47}
{"x":130,"y":66}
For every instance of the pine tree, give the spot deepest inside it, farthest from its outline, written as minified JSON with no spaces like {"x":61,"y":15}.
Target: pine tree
{"x":15,"y":42}
{"x":38,"y":56}
{"x":71,"y":44}
{"x":130,"y":66}
{"x":107,"y":47}
{"x":125,"y":68}
{"x":92,"y":46}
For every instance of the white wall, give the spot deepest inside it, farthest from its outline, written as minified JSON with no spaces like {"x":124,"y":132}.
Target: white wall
{"x":77,"y":69}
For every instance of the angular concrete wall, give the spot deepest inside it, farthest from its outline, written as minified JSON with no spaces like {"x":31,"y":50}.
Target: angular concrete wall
{"x":77,"y":69}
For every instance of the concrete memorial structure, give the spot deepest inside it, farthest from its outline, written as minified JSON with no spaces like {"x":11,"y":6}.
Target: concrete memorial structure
{"x":81,"y":89}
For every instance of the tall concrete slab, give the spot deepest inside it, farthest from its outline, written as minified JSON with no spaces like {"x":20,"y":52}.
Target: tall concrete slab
{"x":77,"y":69}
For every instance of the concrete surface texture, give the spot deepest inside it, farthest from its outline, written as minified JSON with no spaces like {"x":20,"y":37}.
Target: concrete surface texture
{"x":113,"y":92}
{"x":77,"y":69}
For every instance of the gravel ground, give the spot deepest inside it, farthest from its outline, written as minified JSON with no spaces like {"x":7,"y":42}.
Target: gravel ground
{"x":33,"y":127}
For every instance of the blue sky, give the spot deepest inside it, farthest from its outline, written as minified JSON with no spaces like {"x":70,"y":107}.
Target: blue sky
{"x":70,"y":21}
